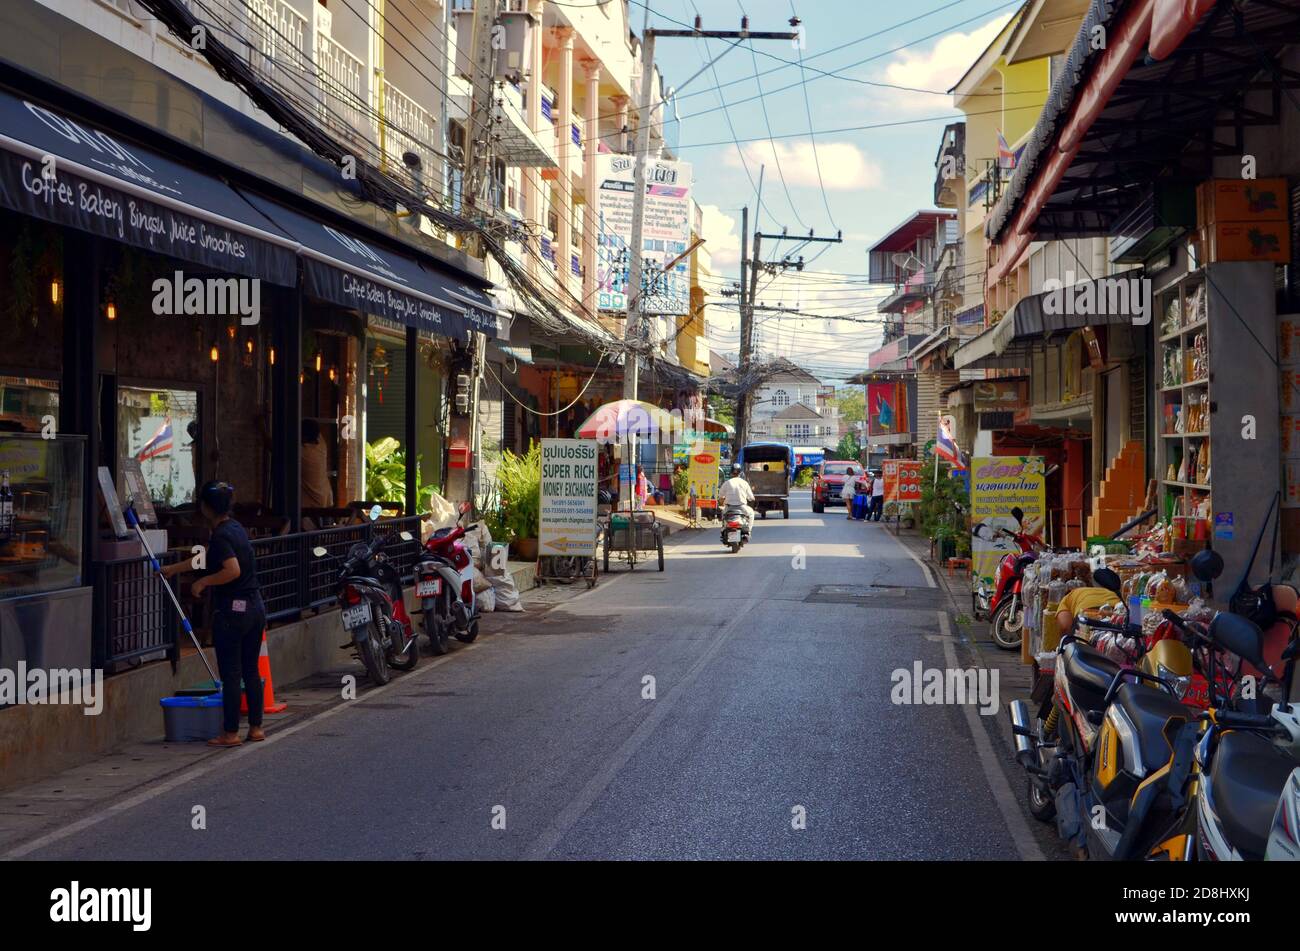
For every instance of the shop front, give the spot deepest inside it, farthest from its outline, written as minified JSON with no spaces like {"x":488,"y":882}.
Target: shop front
{"x":169,"y":326}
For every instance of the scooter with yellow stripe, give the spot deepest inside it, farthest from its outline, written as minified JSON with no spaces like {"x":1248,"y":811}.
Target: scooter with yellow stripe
{"x":1112,"y":754}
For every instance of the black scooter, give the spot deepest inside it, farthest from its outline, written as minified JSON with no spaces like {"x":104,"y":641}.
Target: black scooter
{"x":369,"y":592}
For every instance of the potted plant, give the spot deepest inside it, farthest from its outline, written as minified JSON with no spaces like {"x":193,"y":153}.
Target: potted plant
{"x":520,"y":482}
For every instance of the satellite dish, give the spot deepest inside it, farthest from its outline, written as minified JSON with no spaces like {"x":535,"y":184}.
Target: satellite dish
{"x":906,"y":260}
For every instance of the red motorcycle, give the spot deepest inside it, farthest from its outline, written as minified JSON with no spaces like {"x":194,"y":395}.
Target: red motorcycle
{"x":444,"y":584}
{"x":1003,"y":606}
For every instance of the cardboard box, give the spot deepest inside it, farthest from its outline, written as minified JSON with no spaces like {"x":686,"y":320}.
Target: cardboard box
{"x":1239,"y":199}
{"x":1247,"y":241}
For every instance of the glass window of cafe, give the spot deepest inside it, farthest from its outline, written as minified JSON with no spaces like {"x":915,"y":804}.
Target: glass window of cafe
{"x":40,"y":478}
{"x":384,"y":390}
{"x":193,"y":391}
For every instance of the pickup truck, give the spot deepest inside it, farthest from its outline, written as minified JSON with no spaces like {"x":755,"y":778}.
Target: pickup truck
{"x":828,"y":482}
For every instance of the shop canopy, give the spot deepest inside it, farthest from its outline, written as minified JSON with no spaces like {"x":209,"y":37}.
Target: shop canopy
{"x":343,"y":268}
{"x":1009,"y":343}
{"x":1144,"y":106}
{"x":69,"y":172}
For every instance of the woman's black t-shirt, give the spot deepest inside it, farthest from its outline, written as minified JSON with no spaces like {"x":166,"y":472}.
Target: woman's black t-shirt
{"x":229,"y":540}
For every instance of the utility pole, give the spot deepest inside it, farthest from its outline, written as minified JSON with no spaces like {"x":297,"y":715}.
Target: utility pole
{"x":749,"y":298}
{"x":635,"y":299}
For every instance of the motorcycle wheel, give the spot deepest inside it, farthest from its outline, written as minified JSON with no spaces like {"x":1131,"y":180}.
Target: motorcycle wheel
{"x":1008,"y":628}
{"x":818,"y":508}
{"x":439,"y":642}
{"x":408,"y":660}
{"x":372,"y":656}
{"x":735,"y":547}
{"x":469,"y":634}
{"x":1041,"y":805}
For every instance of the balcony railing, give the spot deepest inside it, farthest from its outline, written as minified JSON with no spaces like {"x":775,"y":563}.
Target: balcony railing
{"x":407,"y":126}
{"x":341,"y":77}
{"x":279,"y":34}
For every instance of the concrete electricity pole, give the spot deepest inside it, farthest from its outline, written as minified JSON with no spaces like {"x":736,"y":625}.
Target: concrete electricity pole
{"x":635,"y":299}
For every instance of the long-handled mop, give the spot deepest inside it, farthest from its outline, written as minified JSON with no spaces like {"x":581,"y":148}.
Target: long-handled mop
{"x":134,"y":522}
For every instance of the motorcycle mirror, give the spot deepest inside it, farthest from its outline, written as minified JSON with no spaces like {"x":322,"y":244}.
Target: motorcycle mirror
{"x":1207,"y":564}
{"x":406,"y":537}
{"x":1018,"y":514}
{"x":1108,"y":579}
{"x":1241,"y":636}
{"x":375,"y":511}
{"x":319,"y":552}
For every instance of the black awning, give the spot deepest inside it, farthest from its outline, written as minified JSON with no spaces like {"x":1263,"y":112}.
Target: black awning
{"x":129,"y":193}
{"x":343,"y":268}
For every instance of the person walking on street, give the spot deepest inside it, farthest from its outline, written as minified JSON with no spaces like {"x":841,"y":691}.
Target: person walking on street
{"x":849,"y":490}
{"x":239,"y":615}
{"x":878,"y":496}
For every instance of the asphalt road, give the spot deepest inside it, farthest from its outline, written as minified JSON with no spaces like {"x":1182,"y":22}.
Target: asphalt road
{"x":772,"y":703}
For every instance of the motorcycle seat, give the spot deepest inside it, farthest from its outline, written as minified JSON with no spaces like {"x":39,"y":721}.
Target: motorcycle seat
{"x":1246,"y":779}
{"x":1155,"y":716}
{"x":1089,"y":671}
{"x":1025,"y":558}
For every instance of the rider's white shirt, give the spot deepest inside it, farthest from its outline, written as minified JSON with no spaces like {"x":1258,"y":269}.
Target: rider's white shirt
{"x":736,"y":491}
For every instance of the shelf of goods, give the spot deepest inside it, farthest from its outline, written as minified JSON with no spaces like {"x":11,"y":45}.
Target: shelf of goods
{"x":1216,"y":454}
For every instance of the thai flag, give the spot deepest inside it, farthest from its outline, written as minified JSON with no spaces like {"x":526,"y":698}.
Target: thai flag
{"x":159,"y":443}
{"x":945,"y":447}
{"x":1006,"y":157}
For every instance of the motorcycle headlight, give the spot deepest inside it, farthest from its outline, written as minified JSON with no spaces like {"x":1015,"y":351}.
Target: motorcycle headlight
{"x":1180,"y":684}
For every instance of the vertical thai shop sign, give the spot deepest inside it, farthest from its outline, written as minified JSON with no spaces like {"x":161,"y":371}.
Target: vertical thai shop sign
{"x":567,"y":516}
{"x":997,"y":485}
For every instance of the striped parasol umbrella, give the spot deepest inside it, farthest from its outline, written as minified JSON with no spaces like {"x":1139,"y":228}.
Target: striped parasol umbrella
{"x":628,"y":420}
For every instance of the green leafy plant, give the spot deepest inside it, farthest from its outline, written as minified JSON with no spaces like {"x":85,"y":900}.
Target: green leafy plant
{"x":520,"y":480}
{"x":681,"y":483}
{"x":804,"y":478}
{"x":944,"y":509}
{"x":491,"y":513}
{"x":848,"y":447}
{"x":386,"y":474}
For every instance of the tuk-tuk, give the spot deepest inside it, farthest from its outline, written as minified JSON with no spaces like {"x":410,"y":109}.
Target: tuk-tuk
{"x":768,"y":467}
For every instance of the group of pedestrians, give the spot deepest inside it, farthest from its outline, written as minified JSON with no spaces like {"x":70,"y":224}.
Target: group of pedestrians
{"x":863,"y":494}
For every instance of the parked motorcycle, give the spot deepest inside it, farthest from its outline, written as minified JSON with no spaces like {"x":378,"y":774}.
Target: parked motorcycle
{"x":1003,"y":605}
{"x":444,"y":583}
{"x":1106,"y":736}
{"x":1246,"y":800}
{"x":736,"y":526}
{"x":369,"y":592}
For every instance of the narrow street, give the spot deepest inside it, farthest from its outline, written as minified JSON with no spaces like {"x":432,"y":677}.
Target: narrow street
{"x":771,"y":693}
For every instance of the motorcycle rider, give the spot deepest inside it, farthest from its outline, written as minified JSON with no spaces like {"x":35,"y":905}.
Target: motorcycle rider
{"x":736,"y":492}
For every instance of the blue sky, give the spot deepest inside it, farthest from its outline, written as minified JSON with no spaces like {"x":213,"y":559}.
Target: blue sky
{"x":873,"y":178}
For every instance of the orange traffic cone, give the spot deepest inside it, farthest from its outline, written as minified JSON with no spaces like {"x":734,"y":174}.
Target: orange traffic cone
{"x":268,"y":692}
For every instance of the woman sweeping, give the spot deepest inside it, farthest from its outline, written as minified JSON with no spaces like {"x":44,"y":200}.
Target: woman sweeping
{"x":238,"y":616}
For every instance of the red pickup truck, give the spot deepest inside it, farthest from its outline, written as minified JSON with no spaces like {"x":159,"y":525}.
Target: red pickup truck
{"x":828,"y":482}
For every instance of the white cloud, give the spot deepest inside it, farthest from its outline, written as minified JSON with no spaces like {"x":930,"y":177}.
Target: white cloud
{"x":937,"y":68}
{"x":721,"y":238}
{"x":843,"y":165}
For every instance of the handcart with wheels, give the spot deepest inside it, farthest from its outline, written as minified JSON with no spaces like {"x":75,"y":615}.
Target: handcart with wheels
{"x":632,"y":534}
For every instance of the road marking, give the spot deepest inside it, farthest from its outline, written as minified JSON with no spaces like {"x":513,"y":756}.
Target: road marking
{"x":217,"y":760}
{"x":578,"y":806}
{"x":1003,"y":797}
{"x":925,"y":569}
